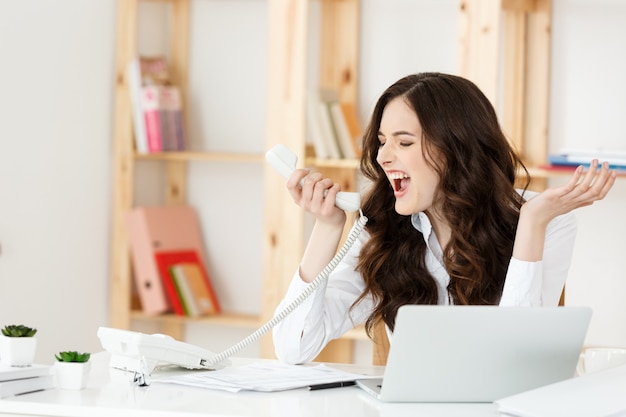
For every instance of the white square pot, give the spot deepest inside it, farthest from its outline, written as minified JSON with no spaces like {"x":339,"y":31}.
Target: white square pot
{"x":72,"y":375}
{"x":17,"y":351}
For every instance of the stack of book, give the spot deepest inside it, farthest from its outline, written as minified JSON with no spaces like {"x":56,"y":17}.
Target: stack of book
{"x":169,"y":266}
{"x":572,"y":158}
{"x":24,"y":379}
{"x":333,"y":126}
{"x":157,"y":106}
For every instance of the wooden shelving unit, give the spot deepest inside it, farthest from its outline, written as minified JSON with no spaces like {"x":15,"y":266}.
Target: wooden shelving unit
{"x":176,"y":163}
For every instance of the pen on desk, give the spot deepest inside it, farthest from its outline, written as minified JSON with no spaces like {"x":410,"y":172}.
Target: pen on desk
{"x":332,"y":385}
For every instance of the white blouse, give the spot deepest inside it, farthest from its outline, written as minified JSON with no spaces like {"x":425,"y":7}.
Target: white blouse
{"x":326,"y":314}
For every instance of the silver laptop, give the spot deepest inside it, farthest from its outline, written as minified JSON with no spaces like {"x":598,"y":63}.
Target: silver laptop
{"x":478,"y":353}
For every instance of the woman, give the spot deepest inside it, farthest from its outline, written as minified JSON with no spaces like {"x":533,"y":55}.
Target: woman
{"x":446,"y":223}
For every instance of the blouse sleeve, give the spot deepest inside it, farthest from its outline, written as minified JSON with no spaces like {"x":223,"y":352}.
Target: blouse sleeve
{"x":325,"y":315}
{"x":541,"y":283}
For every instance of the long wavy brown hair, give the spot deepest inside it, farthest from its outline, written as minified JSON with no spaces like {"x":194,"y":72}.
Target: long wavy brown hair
{"x":463,"y":142}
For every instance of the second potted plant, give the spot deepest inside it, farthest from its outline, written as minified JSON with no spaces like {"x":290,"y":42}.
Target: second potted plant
{"x":72,"y":369}
{"x":18,"y":345}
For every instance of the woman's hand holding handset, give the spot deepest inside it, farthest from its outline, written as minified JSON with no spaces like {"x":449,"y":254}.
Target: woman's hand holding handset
{"x":316,"y":195}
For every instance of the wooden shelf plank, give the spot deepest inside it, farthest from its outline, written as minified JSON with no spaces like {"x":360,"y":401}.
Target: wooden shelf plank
{"x":201,"y":156}
{"x":225,"y":319}
{"x":249,"y":321}
{"x":358,"y":333}
{"x":332,"y":163}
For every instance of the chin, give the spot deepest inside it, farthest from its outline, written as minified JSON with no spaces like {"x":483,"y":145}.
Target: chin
{"x":403,"y":210}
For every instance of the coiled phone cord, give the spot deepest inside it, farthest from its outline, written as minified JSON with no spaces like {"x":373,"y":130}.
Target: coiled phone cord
{"x":356,"y":230}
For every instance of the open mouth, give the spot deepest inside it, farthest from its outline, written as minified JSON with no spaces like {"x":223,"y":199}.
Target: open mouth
{"x":400,"y":181}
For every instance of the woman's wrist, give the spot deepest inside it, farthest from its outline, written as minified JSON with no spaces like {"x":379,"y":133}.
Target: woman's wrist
{"x":532,"y":217}
{"x":321,"y":248}
{"x":529,"y":239}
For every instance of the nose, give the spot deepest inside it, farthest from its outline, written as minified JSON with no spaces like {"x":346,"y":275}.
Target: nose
{"x":385,"y":154}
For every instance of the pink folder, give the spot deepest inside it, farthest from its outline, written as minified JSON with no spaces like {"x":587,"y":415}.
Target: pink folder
{"x":156,"y":229}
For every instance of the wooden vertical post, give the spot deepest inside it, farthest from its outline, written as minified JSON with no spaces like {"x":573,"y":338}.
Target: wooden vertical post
{"x":339,"y":56}
{"x":283,"y":244}
{"x":123,"y":167}
{"x":517,"y":82}
{"x":339,"y":53}
{"x":514,"y":97}
{"x":179,"y":45}
{"x":176,"y":188}
{"x":176,"y":192}
{"x":537,"y":88}
{"x":176,"y":173}
{"x":479,"y":44}
{"x":381,"y":344}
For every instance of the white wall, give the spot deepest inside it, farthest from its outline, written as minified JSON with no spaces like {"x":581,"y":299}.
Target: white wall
{"x":56,"y":82}
{"x":588,"y":94}
{"x":55,"y":153}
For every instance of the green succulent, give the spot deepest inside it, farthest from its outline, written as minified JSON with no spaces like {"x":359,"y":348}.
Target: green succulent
{"x":18,"y":330}
{"x":72,"y":356}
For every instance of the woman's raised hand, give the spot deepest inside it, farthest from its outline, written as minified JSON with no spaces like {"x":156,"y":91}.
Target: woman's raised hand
{"x":583,"y":189}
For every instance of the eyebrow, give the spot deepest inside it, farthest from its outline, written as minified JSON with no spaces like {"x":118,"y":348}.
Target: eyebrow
{"x":399,"y":133}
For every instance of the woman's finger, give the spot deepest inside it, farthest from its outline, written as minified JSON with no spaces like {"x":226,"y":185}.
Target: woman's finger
{"x":602,"y":181}
{"x":308,"y":185}
{"x":573,"y":181}
{"x":294,"y":180}
{"x":587,"y":180}
{"x":605,"y":181}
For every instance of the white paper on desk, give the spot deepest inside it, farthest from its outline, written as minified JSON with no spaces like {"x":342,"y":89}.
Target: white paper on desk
{"x":262,"y":376}
{"x":600,"y":394}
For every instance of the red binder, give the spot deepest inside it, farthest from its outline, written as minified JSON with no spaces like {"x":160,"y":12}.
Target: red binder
{"x":166,"y":261}
{"x":158,"y":229}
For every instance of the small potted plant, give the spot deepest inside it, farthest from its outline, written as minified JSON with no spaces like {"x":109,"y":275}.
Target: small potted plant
{"x":18,"y":345}
{"x":72,"y":369}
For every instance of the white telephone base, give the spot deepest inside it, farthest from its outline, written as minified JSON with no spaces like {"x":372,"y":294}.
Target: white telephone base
{"x":139,"y":352}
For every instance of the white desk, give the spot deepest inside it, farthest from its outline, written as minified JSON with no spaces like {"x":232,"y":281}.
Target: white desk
{"x":112,"y":398}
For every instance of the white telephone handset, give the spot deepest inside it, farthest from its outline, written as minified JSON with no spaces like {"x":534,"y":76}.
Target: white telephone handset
{"x":284,"y":161}
{"x":140,"y":353}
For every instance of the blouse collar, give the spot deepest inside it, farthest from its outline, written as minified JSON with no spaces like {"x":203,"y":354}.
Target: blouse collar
{"x":421,"y":223}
